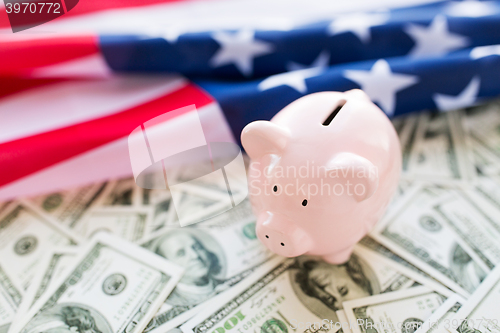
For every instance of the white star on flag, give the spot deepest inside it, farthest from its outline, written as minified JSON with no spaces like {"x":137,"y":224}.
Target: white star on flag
{"x":358,"y":23}
{"x":171,"y":34}
{"x":434,"y":39}
{"x":471,"y":8}
{"x":239,"y":49}
{"x":298,"y":74}
{"x":381,"y":84}
{"x":484,"y":51}
{"x":466,"y":98}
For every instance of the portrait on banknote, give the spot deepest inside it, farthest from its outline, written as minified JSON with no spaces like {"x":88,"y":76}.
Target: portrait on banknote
{"x":68,"y":318}
{"x":202,"y":258}
{"x":323,"y":287}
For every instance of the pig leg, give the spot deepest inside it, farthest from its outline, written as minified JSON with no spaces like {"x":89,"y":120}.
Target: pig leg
{"x":338,"y":257}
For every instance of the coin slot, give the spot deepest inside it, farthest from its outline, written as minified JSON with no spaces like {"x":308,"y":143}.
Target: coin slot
{"x":332,"y":115}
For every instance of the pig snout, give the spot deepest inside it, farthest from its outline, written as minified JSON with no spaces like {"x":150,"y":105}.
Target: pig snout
{"x":282,"y":236}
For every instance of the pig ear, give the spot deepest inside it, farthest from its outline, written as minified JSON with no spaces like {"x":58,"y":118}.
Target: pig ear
{"x":358,"y":171}
{"x":357,"y":94}
{"x":264,"y":137}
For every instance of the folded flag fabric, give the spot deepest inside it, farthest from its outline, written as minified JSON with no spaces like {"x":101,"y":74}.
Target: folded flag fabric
{"x":68,"y":96}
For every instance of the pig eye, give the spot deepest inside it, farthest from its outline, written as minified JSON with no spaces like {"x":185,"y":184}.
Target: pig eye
{"x":282,"y":244}
{"x":275,"y":188}
{"x":332,"y":115}
{"x":267,"y":236}
{"x":304,"y":202}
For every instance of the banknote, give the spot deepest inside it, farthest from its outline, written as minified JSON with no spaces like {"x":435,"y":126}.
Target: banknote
{"x":10,"y":298}
{"x":51,"y":267}
{"x":297,"y":293}
{"x":485,"y":161}
{"x":130,"y":223}
{"x":201,"y":175}
{"x":400,"y":312}
{"x":420,"y":234}
{"x":122,"y":192}
{"x":439,"y":321}
{"x":26,"y":233}
{"x":343,"y":321}
{"x":164,"y":214}
{"x":215,"y":258}
{"x":403,"y":186}
{"x":413,"y":276}
{"x":380,"y":249}
{"x":483,"y":123}
{"x":197,"y":204}
{"x":478,"y":228}
{"x":442,"y":151}
{"x":70,"y":206}
{"x":113,"y":286}
{"x":242,"y":211}
{"x":406,"y":128}
{"x":486,"y":193}
{"x":4,"y":205}
{"x":480,"y":313}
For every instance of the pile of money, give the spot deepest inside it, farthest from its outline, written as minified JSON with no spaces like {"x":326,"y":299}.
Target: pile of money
{"x":113,"y":258}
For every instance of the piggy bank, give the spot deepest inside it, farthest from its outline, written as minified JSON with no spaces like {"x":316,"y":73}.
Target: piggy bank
{"x":322,"y":173}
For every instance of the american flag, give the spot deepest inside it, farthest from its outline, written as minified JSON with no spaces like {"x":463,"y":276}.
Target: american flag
{"x":72,"y":89}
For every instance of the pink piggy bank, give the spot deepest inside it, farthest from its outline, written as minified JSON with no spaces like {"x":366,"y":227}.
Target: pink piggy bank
{"x":322,"y":173}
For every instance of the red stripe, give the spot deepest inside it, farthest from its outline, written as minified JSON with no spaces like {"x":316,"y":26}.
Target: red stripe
{"x":19,"y":56}
{"x":22,"y":157}
{"x":13,"y":85}
{"x":90,"y":6}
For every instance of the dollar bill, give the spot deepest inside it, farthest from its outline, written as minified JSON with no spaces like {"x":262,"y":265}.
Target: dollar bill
{"x":486,"y":192}
{"x":215,"y":258}
{"x":196,"y":204}
{"x":296,"y":293}
{"x":10,"y":298}
{"x":478,"y":228}
{"x":52,"y":266}
{"x":441,"y":151}
{"x":343,"y":321}
{"x":380,"y":249}
{"x":26,"y":233}
{"x":164,"y":214}
{"x":4,"y":205}
{"x":406,"y":128}
{"x":483,"y":123}
{"x":201,"y":175}
{"x":122,"y":192}
{"x":421,"y":235}
{"x":439,"y":321}
{"x":114,"y":286}
{"x":480,"y":312}
{"x":401,"y":312}
{"x":412,"y":277}
{"x":68,"y":207}
{"x":485,"y":161}
{"x":403,"y":186}
{"x":130,"y":223}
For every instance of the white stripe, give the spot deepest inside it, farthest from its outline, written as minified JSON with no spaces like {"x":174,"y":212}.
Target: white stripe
{"x":169,"y":20}
{"x":54,"y":106}
{"x":93,"y":66}
{"x":108,"y":161}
